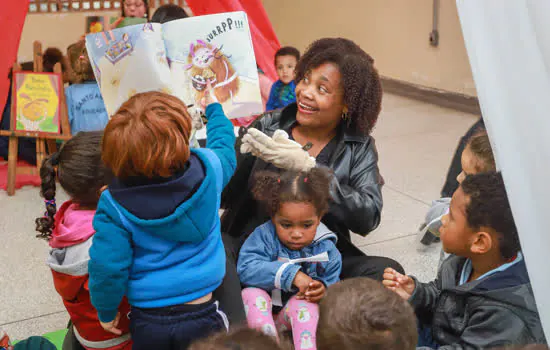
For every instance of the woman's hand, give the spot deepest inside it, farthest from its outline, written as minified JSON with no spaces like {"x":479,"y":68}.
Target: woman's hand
{"x":302,"y":282}
{"x":401,"y":284}
{"x":112,"y":326}
{"x":278,"y":150}
{"x":315,"y":292}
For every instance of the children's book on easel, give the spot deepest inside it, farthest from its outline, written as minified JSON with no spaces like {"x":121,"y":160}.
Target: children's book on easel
{"x":179,"y":58}
{"x":38,"y":111}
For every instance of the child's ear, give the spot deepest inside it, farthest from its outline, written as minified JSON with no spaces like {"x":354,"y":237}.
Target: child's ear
{"x":483,"y":242}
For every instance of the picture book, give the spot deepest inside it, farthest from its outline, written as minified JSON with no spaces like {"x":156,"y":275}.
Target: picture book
{"x":179,"y":58}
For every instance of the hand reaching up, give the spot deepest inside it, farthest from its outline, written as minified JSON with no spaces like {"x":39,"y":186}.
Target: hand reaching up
{"x":401,"y":284}
{"x":209,"y":96}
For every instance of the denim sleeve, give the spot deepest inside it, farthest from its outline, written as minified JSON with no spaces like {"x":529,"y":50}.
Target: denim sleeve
{"x":256,"y":265}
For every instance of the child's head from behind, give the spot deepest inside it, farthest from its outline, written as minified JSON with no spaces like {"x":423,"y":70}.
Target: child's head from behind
{"x":80,"y":172}
{"x":80,"y":63}
{"x":296,"y":202}
{"x":167,"y":13}
{"x":286,"y":60}
{"x":480,"y":219}
{"x":148,"y":137}
{"x":237,"y":339}
{"x":477,"y":156}
{"x":360,"y":313}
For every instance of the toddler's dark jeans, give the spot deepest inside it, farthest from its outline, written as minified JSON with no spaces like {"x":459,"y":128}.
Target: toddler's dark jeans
{"x":175,"y":327}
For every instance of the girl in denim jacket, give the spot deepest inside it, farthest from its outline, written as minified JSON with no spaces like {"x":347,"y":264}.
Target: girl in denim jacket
{"x":293,"y":256}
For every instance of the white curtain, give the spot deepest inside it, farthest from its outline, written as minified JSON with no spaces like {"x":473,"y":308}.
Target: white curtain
{"x":508,"y":43}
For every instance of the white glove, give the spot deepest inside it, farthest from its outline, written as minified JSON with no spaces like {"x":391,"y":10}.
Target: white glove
{"x":278,"y":150}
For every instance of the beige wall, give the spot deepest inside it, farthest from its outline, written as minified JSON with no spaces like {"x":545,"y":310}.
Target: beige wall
{"x":394,"y":32}
{"x":54,"y":30}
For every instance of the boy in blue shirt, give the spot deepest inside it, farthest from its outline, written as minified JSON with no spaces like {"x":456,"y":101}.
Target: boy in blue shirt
{"x":85,"y":104}
{"x":482,"y":297}
{"x":282,"y":91}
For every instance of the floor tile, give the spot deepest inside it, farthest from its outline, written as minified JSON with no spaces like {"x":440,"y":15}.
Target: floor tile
{"x":37,"y":326}
{"x":419,"y":118}
{"x":416,"y":165}
{"x":27,"y":286}
{"x":417,"y":259}
{"x":401,"y":216}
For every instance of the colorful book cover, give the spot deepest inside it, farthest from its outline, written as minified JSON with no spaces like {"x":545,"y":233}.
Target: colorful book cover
{"x":37,"y":102}
{"x":179,"y":58}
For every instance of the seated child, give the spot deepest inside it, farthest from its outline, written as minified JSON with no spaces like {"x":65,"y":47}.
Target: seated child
{"x":477,"y":157}
{"x":282,"y":91}
{"x":293,"y":256}
{"x":482,"y":297}
{"x":157,"y":228}
{"x":240,"y":338}
{"x":84,"y":102}
{"x":359,"y":313}
{"x":81,"y":173}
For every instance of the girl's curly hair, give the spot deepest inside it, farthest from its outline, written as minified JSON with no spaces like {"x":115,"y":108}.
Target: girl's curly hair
{"x":272,"y":189}
{"x":360,"y":80}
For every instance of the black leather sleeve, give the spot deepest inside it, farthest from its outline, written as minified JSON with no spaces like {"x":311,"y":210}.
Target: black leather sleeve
{"x":357,"y":190}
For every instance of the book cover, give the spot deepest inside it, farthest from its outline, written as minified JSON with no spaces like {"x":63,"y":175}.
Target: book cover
{"x":178,"y":58}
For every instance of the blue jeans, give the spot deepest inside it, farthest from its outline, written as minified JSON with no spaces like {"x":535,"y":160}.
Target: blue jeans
{"x":175,"y":327}
{"x":425,"y":337}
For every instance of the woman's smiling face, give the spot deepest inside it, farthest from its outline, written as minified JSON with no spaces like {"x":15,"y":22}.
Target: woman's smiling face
{"x":320,"y":97}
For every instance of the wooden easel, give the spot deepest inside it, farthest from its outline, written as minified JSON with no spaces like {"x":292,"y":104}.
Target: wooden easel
{"x":41,"y":139}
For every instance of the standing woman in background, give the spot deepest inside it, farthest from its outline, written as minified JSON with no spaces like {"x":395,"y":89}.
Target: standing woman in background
{"x":132,"y":9}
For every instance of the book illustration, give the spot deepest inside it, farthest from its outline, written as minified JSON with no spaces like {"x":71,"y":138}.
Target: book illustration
{"x":37,"y":102}
{"x":207,"y":62}
{"x":216,"y":48}
{"x":180,"y":57}
{"x":127,"y":61}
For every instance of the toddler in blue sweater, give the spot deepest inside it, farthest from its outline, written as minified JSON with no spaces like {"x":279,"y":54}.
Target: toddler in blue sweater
{"x":158,"y":237}
{"x":293,"y":256}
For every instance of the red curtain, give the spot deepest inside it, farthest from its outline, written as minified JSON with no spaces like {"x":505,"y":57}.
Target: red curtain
{"x":12,"y":18}
{"x":263,"y":36}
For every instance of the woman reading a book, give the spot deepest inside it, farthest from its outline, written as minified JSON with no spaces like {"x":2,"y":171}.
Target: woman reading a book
{"x":338,"y":102}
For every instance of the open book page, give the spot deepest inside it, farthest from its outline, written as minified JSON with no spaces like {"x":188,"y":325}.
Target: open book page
{"x":129,"y":60}
{"x":216,"y":48}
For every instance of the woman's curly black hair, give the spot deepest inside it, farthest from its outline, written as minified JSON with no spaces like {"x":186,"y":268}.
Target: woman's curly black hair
{"x":360,"y":80}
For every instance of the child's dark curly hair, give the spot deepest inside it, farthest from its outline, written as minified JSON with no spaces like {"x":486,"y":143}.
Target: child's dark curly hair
{"x":489,"y":207}
{"x":360,"y":80}
{"x":272,"y":189}
{"x":80,"y":172}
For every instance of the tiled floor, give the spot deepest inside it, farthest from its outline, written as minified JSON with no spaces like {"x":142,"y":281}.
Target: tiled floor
{"x":415,"y":142}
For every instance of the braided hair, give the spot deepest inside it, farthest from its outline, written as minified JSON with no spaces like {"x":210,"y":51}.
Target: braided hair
{"x":81,"y":173}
